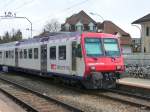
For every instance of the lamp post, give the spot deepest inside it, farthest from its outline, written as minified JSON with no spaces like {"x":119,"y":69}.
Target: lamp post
{"x":28,"y":21}
{"x":10,"y":15}
{"x":142,"y":41}
{"x":97,"y":15}
{"x":98,"y":30}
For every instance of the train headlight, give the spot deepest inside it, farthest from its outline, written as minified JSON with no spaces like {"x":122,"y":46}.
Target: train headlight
{"x":118,"y":67}
{"x":92,"y":68}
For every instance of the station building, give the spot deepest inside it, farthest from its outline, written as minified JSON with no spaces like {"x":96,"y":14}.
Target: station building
{"x":145,"y":32}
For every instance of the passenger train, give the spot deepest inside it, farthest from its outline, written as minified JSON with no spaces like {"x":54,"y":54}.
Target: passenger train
{"x":94,"y":59}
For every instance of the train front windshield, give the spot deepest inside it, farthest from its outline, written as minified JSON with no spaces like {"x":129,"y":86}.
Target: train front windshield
{"x":93,"y":47}
{"x":111,"y":47}
{"x":96,"y":47}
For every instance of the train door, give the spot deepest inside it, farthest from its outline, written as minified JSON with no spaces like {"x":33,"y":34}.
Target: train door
{"x":74,"y":44}
{"x":78,"y":66}
{"x":16,"y":57}
{"x":44,"y":58}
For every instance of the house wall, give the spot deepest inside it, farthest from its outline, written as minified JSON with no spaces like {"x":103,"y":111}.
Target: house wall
{"x":79,"y":26}
{"x":145,"y":38}
{"x":126,"y":49}
{"x":67,"y":27}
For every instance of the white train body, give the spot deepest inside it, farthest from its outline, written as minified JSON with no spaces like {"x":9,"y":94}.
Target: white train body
{"x":39,"y":63}
{"x":63,"y":55}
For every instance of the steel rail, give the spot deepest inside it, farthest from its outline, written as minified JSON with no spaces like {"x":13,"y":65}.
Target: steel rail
{"x":103,"y":93}
{"x":67,"y":106}
{"x":145,"y":97}
{"x":126,"y":101}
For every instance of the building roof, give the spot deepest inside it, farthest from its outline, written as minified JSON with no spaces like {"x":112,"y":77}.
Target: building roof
{"x":110,"y":27}
{"x":143,"y":19}
{"x":81,"y":16}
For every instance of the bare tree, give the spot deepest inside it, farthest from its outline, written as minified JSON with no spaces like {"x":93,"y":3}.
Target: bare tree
{"x":52,"y":26}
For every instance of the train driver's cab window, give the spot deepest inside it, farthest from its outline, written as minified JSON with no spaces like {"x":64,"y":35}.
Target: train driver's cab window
{"x":52,"y":52}
{"x":30,"y":53}
{"x":35,"y":53}
{"x":62,"y":52}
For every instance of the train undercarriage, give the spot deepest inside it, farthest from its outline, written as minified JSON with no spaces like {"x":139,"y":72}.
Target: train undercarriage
{"x":100,"y":80}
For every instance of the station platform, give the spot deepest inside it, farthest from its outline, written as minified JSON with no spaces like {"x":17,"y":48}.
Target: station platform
{"x":136,"y":82}
{"x":7,"y":105}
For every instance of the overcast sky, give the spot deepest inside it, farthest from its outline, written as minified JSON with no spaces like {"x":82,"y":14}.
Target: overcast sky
{"x":121,"y":12}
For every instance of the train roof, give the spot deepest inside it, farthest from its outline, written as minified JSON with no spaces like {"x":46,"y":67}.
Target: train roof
{"x":49,"y":37}
{"x":10,"y":44}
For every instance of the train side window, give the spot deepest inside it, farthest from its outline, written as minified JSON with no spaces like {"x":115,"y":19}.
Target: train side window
{"x":52,"y":52}
{"x":30,"y":53}
{"x":62,"y":52}
{"x":25,"y":53}
{"x":12,"y":54}
{"x":35,"y":53}
{"x":9,"y":54}
{"x":6,"y":54}
{"x":0,"y":54}
{"x":21,"y":54}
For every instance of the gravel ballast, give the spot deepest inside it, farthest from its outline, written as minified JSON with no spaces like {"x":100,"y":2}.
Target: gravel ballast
{"x":88,"y":103}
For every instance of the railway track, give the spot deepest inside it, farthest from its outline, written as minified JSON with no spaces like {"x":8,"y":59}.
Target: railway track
{"x":33,"y":101}
{"x":116,"y":95}
{"x":126,"y":97}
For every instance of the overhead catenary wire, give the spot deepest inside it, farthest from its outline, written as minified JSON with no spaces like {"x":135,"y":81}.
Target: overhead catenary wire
{"x":63,"y":10}
{"x":7,"y":4}
{"x":26,"y":3}
{"x":23,"y":5}
{"x":77,"y":4}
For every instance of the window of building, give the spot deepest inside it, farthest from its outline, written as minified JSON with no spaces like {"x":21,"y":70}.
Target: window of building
{"x":79,"y":28}
{"x":21,"y":54}
{"x":35,"y":53}
{"x":25,"y":53}
{"x":62,"y":52}
{"x":86,"y":27}
{"x":94,"y":28}
{"x":30,"y":53}
{"x":147,"y":31}
{"x":73,"y":28}
{"x":52,"y":52}
{"x":76,"y":28}
{"x":82,"y":28}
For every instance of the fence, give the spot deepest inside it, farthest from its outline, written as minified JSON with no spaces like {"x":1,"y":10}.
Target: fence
{"x":137,"y":58}
{"x":137,"y":65}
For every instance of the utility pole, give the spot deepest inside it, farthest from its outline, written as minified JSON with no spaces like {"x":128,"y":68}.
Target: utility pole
{"x":142,"y":40}
{"x":10,"y":15}
{"x":97,"y":15}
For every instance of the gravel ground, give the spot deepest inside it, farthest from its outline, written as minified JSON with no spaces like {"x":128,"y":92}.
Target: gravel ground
{"x":86,"y":102}
{"x":7,"y":105}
